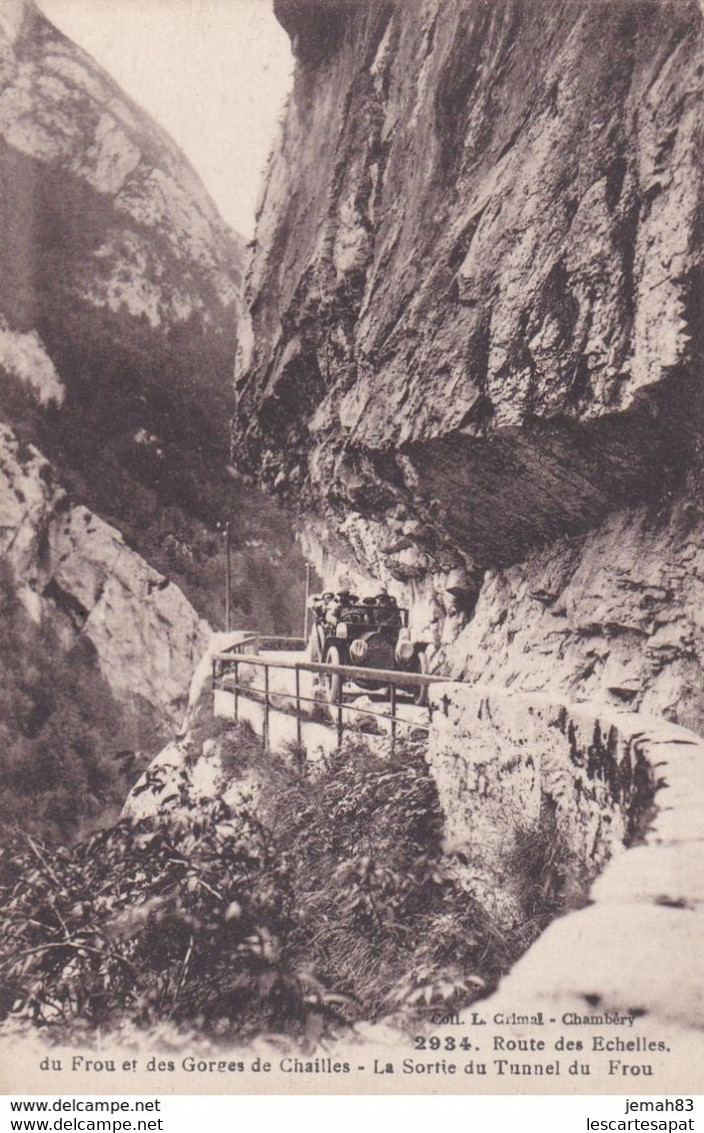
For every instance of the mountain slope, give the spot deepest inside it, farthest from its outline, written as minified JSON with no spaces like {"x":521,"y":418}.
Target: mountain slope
{"x":119,"y":299}
{"x":114,"y":256}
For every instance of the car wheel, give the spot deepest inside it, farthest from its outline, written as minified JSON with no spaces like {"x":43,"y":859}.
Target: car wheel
{"x":333,"y":681}
{"x":420,"y":693}
{"x":314,"y":650}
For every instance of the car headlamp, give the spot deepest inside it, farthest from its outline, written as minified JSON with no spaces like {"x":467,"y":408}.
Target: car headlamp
{"x":359,"y":649}
{"x":404,"y":651}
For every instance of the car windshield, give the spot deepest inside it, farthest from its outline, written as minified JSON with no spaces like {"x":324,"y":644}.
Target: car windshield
{"x":342,"y":607}
{"x":371,"y":613}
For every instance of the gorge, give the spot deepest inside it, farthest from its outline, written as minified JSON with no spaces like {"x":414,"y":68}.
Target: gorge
{"x":120,"y":291}
{"x":475,"y":344}
{"x":468,"y":350}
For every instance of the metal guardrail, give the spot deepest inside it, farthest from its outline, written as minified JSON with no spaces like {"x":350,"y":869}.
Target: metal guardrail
{"x":226,"y":665}
{"x":242,"y":645}
{"x":294,"y":644}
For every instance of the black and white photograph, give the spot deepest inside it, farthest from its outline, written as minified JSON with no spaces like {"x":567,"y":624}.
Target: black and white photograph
{"x":352,"y":547}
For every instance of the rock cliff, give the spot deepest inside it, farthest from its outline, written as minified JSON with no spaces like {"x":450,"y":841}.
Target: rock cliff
{"x":474,"y":343}
{"x":120,"y":288}
{"x":76,"y":573}
{"x":140,"y":235}
{"x":119,"y":293}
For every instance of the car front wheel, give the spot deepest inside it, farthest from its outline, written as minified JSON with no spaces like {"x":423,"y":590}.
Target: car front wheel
{"x":420,"y":693}
{"x":333,"y":681}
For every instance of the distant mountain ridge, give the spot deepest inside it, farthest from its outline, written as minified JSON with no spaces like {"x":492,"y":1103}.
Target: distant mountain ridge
{"x":120,"y":294}
{"x":60,"y":109}
{"x":118,"y":274}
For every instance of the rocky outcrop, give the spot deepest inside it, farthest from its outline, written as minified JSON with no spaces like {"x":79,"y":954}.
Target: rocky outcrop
{"x":74,"y":571}
{"x":475,"y":333}
{"x":614,"y":615}
{"x":119,"y":295}
{"x":191,"y":768}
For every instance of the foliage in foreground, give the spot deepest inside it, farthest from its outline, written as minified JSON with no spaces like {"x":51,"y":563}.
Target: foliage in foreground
{"x":382,"y":914}
{"x":181,"y":918}
{"x":332,"y":903}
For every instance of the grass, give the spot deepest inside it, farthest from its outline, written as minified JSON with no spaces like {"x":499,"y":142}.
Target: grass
{"x":383,"y":918}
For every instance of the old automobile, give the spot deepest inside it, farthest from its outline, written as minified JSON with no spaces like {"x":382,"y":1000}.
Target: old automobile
{"x":369,"y":633}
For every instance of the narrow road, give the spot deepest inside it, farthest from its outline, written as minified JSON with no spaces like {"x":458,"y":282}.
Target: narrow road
{"x":282,"y":691}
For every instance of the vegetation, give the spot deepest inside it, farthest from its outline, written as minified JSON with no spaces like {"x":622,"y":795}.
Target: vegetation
{"x":143,"y":436}
{"x":168,"y":491}
{"x":548,"y":873}
{"x":180,"y":919}
{"x":380,"y":912}
{"x":328,"y":904}
{"x":61,"y":732}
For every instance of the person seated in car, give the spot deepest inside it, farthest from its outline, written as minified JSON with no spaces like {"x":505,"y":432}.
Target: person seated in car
{"x":387,"y":607}
{"x":333,"y":609}
{"x":346,"y":599}
{"x":316,"y":603}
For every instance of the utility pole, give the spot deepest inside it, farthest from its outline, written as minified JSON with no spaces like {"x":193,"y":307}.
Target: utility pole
{"x":228,"y":576}
{"x":305,"y":612}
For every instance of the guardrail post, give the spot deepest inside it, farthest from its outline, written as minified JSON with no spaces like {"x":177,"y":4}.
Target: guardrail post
{"x":299,"y":737}
{"x":228,"y":663}
{"x":266,"y":707}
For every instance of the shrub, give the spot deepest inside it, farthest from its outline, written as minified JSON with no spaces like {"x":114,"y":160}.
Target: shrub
{"x":380,"y":915}
{"x":181,"y":918}
{"x":332,"y":903}
{"x":546,"y":871}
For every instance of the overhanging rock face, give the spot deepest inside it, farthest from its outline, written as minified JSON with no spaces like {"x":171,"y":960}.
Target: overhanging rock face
{"x":474,"y":326}
{"x":473,"y":294}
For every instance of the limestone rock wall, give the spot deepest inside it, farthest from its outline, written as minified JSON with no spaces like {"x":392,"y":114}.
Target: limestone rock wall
{"x":474,"y":330}
{"x":120,"y":287}
{"x":614,"y":615}
{"x":75,"y":570}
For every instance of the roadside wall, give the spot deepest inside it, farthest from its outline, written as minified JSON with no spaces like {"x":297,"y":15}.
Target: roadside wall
{"x":638,"y":945}
{"x":623,"y":792}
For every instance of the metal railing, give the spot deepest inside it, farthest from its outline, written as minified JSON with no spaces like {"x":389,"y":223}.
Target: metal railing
{"x":226,"y":678}
{"x":241,"y":646}
{"x":292,"y":644}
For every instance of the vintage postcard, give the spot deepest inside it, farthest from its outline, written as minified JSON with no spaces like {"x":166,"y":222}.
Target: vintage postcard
{"x":352,"y":541}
